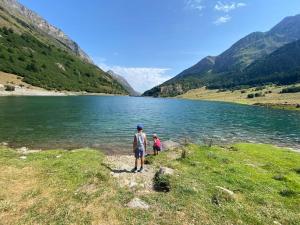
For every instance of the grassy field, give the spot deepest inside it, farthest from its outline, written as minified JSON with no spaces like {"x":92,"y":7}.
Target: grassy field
{"x":271,"y":96}
{"x":75,"y":187}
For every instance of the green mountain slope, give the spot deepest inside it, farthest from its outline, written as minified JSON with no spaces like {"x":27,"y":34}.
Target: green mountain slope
{"x":227,"y":69}
{"x":45,"y":56}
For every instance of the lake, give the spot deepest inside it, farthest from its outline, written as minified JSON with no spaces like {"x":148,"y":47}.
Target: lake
{"x":108,"y":122}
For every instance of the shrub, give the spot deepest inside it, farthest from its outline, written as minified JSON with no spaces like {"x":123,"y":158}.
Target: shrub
{"x":287,"y":193}
{"x":9,"y":88}
{"x":279,"y":177}
{"x":250,"y":95}
{"x":258,"y":94}
{"x":162,"y":182}
{"x":293,"y":89}
{"x":21,"y":58}
{"x":297,"y":170}
{"x":32,"y":67}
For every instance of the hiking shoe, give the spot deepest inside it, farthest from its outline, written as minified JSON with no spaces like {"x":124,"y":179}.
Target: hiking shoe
{"x":134,"y":170}
{"x":141,"y":170}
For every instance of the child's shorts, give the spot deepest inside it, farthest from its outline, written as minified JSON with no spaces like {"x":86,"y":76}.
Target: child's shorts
{"x":156,"y":148}
{"x":139,"y":153}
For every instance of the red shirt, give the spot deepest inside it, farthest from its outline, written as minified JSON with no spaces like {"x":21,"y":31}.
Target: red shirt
{"x":157,"y":143}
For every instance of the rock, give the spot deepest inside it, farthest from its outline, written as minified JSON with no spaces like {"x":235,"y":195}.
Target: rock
{"x":169,"y":145}
{"x":165,"y":171}
{"x":23,"y":157}
{"x":298,"y":106}
{"x":276,"y":223}
{"x":2,"y":88}
{"x":225,"y":193}
{"x":23,"y":149}
{"x":137,"y":203}
{"x":60,"y":66}
{"x":4,"y":143}
{"x":132,"y":184}
{"x":58,"y":156}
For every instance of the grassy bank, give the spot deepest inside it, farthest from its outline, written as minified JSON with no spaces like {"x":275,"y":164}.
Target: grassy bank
{"x":269,"y":96}
{"x":75,"y":187}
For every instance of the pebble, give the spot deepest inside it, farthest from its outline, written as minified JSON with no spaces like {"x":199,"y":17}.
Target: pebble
{"x":137,"y":203}
{"x":23,"y":157}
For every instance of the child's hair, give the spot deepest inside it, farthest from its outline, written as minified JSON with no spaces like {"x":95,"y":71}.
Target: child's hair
{"x":155,"y":136}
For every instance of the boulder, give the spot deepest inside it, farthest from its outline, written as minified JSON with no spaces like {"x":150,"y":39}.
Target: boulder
{"x":165,"y":171}
{"x":4,"y":143}
{"x":225,"y":194}
{"x":23,"y":150}
{"x":169,"y":145}
{"x":137,"y":203}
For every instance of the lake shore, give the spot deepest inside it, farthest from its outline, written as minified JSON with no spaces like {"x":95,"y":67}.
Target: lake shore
{"x":237,"y":184}
{"x":270,"y":97}
{"x":23,"y":89}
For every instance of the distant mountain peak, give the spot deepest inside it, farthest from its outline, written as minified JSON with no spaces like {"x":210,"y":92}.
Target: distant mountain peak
{"x":124,"y":83}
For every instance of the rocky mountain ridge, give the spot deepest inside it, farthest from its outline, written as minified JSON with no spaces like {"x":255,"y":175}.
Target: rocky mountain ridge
{"x":29,"y":16}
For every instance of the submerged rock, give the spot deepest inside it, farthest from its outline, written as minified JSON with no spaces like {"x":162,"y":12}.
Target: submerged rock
{"x":137,"y":203}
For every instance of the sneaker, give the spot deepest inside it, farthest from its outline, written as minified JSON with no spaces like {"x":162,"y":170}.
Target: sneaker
{"x":134,"y":170}
{"x":141,"y":170}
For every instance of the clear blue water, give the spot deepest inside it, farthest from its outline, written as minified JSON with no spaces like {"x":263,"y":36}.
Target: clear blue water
{"x":109,"y":123}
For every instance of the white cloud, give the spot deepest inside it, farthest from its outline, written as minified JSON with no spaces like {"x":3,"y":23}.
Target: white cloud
{"x":227,"y":7}
{"x":222,"y":20}
{"x":194,"y":4}
{"x":140,"y":78}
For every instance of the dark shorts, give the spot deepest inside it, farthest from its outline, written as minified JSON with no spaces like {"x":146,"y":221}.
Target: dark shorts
{"x":156,"y":148}
{"x":139,"y":153}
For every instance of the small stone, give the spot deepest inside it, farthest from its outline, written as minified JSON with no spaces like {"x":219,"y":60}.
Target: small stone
{"x":137,"y":203}
{"x":226,"y":193}
{"x":23,"y":157}
{"x":58,"y":156}
{"x":23,"y":149}
{"x":132,"y":184}
{"x":166,"y":171}
{"x":4,"y":143}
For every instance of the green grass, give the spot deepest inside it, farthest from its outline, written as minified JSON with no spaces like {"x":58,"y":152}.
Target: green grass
{"x":45,"y":189}
{"x":47,"y":66}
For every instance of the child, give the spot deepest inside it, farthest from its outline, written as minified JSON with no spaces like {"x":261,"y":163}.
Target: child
{"x":139,"y":148}
{"x":156,"y":144}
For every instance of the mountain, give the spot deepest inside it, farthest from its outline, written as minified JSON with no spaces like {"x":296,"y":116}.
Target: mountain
{"x":227,"y":69}
{"x":46,"y":57}
{"x":20,"y":12}
{"x":124,"y":83}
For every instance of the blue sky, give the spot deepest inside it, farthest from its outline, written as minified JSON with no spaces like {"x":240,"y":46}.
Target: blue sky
{"x":149,"y":41}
